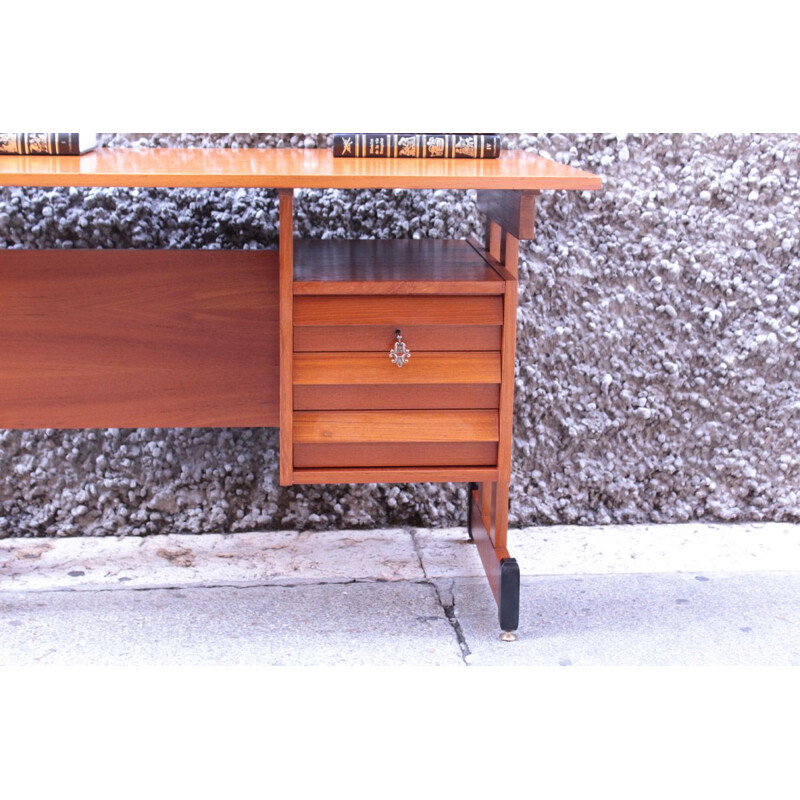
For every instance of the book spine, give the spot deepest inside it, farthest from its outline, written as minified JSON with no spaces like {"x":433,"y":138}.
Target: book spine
{"x":49,"y":144}
{"x":416,"y":145}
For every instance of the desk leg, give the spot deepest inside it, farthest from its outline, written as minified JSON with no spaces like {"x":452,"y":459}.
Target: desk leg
{"x":486,"y":527}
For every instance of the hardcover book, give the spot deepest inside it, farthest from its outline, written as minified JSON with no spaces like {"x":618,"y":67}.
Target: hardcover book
{"x":46,"y":144}
{"x":416,"y":145}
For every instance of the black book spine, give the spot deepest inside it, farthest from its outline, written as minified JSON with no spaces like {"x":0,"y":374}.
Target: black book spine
{"x":416,"y":145}
{"x":49,"y":144}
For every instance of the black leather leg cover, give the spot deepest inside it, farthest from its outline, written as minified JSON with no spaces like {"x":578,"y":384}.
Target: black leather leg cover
{"x":508,"y":607}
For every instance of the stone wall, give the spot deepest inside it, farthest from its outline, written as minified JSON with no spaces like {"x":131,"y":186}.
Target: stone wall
{"x":657,"y":378}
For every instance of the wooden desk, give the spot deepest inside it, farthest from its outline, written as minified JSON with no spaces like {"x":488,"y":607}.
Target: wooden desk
{"x":309,"y":338}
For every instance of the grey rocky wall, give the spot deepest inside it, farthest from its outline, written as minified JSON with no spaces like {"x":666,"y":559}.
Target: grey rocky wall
{"x":657,"y":377}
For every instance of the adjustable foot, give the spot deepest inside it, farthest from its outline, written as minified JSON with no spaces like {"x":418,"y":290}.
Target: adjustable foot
{"x":508,"y":636}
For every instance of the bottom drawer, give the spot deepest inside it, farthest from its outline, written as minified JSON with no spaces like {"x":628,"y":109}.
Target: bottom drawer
{"x":409,"y":438}
{"x":407,"y":454}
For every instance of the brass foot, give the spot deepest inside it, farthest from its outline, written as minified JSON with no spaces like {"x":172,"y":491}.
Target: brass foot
{"x":508,"y":636}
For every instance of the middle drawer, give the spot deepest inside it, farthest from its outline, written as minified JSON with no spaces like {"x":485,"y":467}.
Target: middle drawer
{"x":371,"y":381}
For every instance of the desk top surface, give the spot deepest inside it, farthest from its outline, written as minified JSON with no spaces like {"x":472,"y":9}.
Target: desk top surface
{"x":288,"y":168}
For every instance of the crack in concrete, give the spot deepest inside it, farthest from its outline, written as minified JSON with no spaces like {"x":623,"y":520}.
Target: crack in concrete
{"x":447,"y":603}
{"x":448,"y":608}
{"x":450,"y":613}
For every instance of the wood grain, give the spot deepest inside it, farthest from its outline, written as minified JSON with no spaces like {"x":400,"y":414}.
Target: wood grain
{"x":123,"y":338}
{"x":287,"y":168}
{"x":377,"y":368}
{"x":415,"y":454}
{"x":317,"y":427}
{"x":398,"y":311}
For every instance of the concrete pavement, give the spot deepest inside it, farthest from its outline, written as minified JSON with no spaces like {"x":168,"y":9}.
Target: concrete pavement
{"x":617,"y":595}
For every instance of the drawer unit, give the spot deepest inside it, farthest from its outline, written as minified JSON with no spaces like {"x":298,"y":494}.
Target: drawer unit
{"x":405,"y":378}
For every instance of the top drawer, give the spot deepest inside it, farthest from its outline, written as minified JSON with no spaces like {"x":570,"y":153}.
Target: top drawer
{"x":397,"y":311}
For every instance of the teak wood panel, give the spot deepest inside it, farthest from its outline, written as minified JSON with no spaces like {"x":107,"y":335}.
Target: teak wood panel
{"x":381,"y":338}
{"x":398,"y":311}
{"x":125,"y":338}
{"x":415,"y":454}
{"x":388,"y":397}
{"x":318,"y":427}
{"x":287,"y":169}
{"x":377,"y":368}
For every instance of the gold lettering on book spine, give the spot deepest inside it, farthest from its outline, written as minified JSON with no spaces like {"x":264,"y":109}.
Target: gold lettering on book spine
{"x":466,"y":147}
{"x":37,"y":143}
{"x":408,"y":146}
{"x":435,"y":146}
{"x":8,"y":143}
{"x":377,"y":146}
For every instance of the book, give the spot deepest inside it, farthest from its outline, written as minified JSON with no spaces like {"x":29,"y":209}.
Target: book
{"x":416,"y":145}
{"x":46,"y":144}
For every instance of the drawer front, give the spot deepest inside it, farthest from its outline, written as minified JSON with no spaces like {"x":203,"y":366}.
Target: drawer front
{"x":378,"y":368}
{"x":380,"y":338}
{"x":396,"y":396}
{"x":397,"y":311}
{"x":349,"y":427}
{"x":341,"y":439}
{"x":418,"y":454}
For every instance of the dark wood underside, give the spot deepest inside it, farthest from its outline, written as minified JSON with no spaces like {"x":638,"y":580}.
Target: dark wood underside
{"x":138,"y":338}
{"x":402,"y":266}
